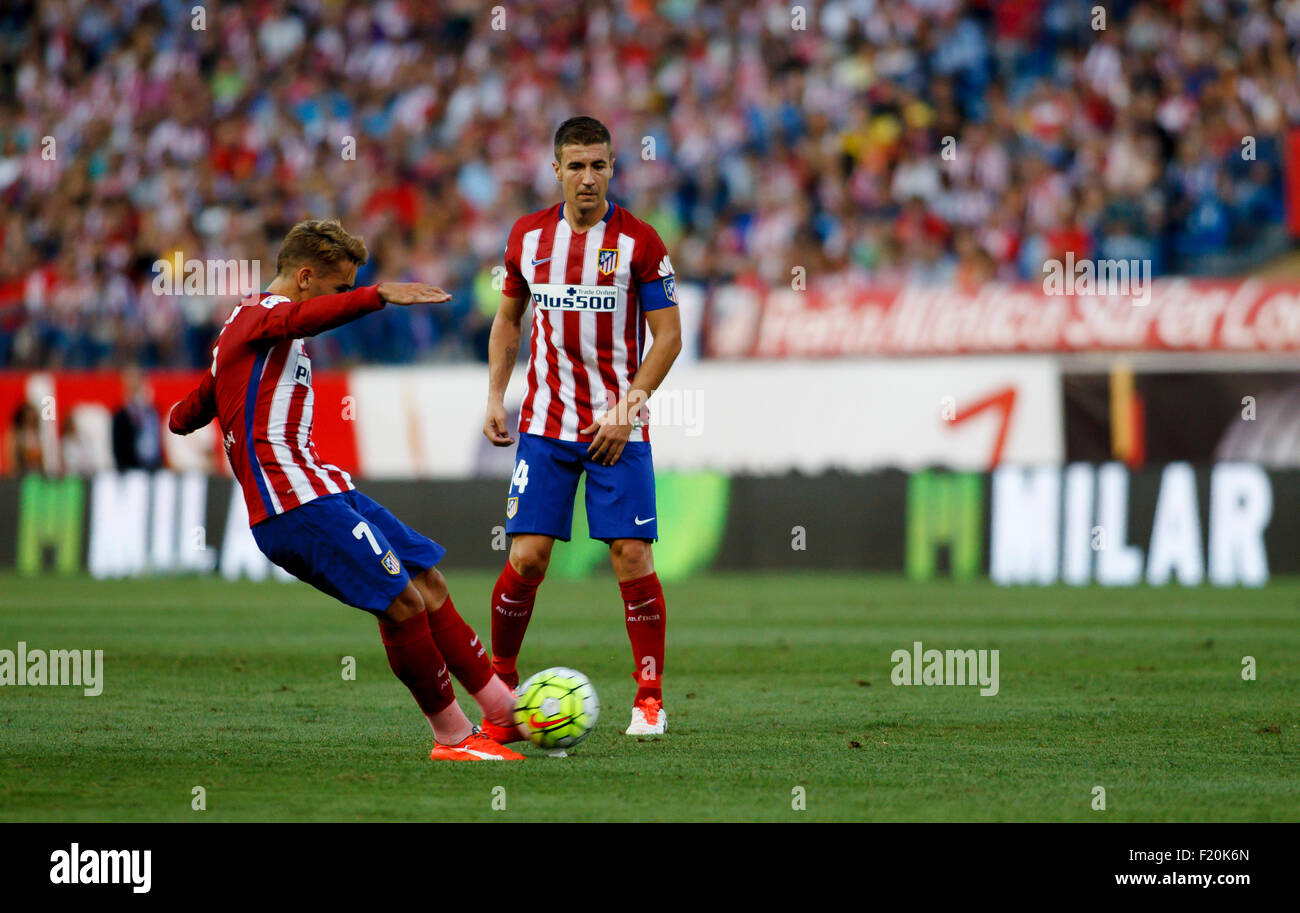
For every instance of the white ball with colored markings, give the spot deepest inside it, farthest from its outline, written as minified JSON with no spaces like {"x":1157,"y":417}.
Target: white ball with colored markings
{"x":557,"y":707}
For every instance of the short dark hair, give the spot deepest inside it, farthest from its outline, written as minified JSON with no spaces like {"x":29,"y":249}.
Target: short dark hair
{"x":581,"y":131}
{"x":321,"y":242}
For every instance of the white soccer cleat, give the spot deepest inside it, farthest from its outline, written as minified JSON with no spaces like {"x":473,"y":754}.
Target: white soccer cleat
{"x":648,"y":718}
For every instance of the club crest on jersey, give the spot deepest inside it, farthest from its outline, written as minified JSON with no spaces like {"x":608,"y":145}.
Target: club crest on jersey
{"x":391,"y":564}
{"x":607,"y":261}
{"x":512,"y":508}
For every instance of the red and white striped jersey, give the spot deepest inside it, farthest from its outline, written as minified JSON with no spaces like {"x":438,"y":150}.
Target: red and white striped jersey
{"x":259,"y":389}
{"x":589,"y":292}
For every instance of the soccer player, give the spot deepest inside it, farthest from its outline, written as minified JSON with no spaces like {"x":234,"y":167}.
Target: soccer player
{"x":596,"y":276}
{"x":306,"y":515}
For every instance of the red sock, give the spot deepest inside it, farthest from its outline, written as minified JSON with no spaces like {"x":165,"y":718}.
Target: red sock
{"x":512,"y":607}
{"x":647,"y":620}
{"x":460,"y":646}
{"x":414,"y":658}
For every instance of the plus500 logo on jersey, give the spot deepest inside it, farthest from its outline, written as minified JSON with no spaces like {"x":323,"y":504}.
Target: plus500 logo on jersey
{"x":575,"y":297}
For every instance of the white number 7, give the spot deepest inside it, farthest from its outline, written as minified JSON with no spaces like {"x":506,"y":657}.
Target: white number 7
{"x":361,"y":529}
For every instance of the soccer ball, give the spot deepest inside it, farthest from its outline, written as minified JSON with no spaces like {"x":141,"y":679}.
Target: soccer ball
{"x":557,"y":708}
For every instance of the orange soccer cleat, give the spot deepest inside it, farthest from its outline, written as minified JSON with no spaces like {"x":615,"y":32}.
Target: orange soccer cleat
{"x":501,"y":734}
{"x":474,"y":747}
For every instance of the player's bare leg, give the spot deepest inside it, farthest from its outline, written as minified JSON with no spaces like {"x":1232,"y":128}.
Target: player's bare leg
{"x":415,"y":659}
{"x":646,"y":616}
{"x":465,"y":654}
{"x":512,"y":608}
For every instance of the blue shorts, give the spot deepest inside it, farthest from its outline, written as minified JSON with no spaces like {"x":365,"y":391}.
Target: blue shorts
{"x":349,"y":546}
{"x":620,"y":498}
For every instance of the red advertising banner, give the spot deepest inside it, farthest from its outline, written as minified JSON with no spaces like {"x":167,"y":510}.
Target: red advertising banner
{"x":38,"y":434}
{"x":1188,"y":315}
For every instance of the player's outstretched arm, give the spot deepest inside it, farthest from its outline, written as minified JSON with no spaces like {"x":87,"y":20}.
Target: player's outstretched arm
{"x":503,"y":349}
{"x":196,"y":409}
{"x":411,"y":293}
{"x":297,"y":319}
{"x":613,"y":429}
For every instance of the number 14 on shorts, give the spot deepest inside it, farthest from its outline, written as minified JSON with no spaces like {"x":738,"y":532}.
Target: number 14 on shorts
{"x":519,"y":481}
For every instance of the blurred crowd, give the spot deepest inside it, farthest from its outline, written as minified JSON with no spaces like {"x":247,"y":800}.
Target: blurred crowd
{"x":895,"y":140}
{"x":88,"y":438}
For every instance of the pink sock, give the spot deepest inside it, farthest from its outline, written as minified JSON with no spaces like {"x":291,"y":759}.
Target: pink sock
{"x":450,"y":725}
{"x":497,"y":702}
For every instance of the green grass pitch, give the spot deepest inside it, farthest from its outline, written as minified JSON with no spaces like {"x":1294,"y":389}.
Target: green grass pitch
{"x":774,"y":682}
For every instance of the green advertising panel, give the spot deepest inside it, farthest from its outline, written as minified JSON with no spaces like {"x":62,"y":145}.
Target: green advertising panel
{"x":49,"y":525}
{"x":945,"y":509}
